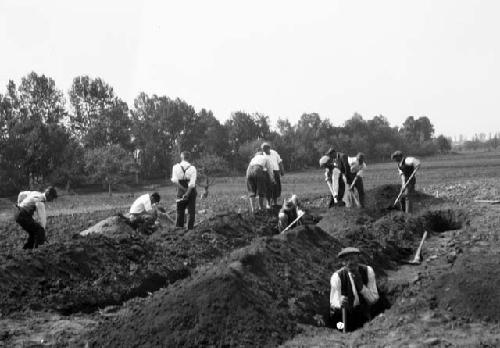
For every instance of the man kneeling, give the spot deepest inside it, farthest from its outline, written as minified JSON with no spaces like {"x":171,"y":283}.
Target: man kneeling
{"x":143,"y":213}
{"x":354,"y":288}
{"x":290,"y":213}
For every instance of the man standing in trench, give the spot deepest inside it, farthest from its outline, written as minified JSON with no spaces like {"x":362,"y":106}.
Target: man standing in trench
{"x":27,"y":203}
{"x":407,"y":167}
{"x":184,"y":176}
{"x":354,"y":289}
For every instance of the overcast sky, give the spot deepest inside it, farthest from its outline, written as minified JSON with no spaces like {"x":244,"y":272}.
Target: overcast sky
{"x":439,"y":58}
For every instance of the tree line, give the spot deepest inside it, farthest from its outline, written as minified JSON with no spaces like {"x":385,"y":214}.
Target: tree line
{"x":92,"y":136}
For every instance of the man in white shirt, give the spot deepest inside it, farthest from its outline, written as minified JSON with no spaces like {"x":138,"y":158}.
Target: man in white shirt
{"x":259,"y":177}
{"x":357,"y":166}
{"x":278,"y":172}
{"x":184,"y":176}
{"x":407,"y":167}
{"x":143,"y":212}
{"x":354,"y":288}
{"x":27,"y":203}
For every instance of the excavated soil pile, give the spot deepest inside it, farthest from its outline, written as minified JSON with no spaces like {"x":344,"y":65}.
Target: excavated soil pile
{"x":255,"y":297}
{"x":112,"y":226}
{"x":83,"y":273}
{"x":471,"y":290}
{"x":59,"y":228}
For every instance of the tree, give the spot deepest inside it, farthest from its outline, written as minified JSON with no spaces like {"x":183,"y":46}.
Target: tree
{"x":32,"y":135}
{"x":443,"y":144}
{"x":210,"y":166}
{"x":243,"y":127}
{"x":109,"y":165}
{"x":99,"y":118}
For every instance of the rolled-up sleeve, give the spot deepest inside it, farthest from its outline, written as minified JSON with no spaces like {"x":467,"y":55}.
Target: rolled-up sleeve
{"x":40,"y":210}
{"x":369,"y":291}
{"x":412,"y":161}
{"x":335,"y":291}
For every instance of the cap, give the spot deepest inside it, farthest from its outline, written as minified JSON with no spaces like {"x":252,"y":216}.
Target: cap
{"x":397,"y":154}
{"x":265,"y":144}
{"x":347,"y":251}
{"x":324,"y":160}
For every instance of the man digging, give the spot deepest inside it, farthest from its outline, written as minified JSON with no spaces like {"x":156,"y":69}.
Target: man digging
{"x":259,"y":177}
{"x":353,"y":290}
{"x":407,"y":167}
{"x":27,"y":203}
{"x":143,"y":214}
{"x":337,"y":168}
{"x":278,"y":172}
{"x":290,"y":214}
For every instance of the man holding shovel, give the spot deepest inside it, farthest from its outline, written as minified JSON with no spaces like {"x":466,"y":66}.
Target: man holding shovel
{"x":354,"y":178}
{"x":353,"y":292}
{"x":407,"y":167}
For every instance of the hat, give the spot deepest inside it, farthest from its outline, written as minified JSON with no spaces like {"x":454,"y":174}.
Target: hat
{"x":290,"y":203}
{"x":265,"y":144}
{"x":397,"y":154}
{"x":323,"y":161}
{"x":347,"y":251}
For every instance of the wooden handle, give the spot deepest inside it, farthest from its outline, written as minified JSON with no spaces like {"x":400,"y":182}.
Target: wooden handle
{"x":344,"y":320}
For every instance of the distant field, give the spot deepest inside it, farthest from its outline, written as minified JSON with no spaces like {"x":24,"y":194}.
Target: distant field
{"x":228,"y":193}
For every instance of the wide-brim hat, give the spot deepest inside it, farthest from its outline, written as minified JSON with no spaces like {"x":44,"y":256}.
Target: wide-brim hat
{"x":348,"y":251}
{"x":265,"y":144}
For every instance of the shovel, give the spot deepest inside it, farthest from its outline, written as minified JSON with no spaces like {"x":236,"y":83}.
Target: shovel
{"x":301,"y":214}
{"x":417,"y":260}
{"x":393,"y":206}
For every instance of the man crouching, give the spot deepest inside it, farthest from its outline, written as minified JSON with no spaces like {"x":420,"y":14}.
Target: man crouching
{"x":290,"y":214}
{"x":143,"y":213}
{"x":354,"y":288}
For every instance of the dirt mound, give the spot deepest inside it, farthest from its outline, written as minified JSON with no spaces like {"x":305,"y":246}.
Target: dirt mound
{"x":471,"y":290}
{"x":84,"y":273}
{"x":257,"y":296}
{"x":81,"y":275}
{"x":253,"y":298}
{"x":111,"y":226}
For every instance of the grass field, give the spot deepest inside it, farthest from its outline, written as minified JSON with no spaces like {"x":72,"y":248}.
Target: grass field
{"x":229,"y":193}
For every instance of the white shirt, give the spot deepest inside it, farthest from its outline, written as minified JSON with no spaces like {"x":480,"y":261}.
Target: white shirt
{"x":355,"y":166}
{"x":369,"y":291}
{"x":30,"y":199}
{"x":275,"y":159}
{"x":179,"y":174}
{"x":410,"y":161}
{"x":141,"y":205}
{"x":262,"y":160}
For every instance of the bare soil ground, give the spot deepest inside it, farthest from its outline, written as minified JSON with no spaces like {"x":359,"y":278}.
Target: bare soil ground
{"x":234,"y":282}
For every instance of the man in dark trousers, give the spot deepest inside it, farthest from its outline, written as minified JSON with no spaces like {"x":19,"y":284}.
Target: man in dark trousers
{"x":184,"y":176}
{"x":337,"y":174}
{"x":354,"y":289}
{"x":406,"y":168}
{"x":27,"y":203}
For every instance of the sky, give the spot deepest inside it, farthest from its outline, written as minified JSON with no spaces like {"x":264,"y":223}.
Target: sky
{"x":397,"y":58}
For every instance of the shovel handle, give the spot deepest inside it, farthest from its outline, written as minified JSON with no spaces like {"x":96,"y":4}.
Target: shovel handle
{"x":344,"y":320}
{"x":404,"y":186}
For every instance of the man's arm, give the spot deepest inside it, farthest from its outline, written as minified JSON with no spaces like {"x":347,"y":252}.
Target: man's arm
{"x":40,"y":210}
{"x":192,"y":182}
{"x":282,"y":168}
{"x":412,"y":161}
{"x":370,"y":292}
{"x":269,"y":169}
{"x":335,"y":286}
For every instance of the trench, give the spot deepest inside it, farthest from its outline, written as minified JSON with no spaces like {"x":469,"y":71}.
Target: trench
{"x":391,"y":286}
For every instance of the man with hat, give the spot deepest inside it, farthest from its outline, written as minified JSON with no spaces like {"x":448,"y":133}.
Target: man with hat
{"x":407,"y":167}
{"x":354,"y":289}
{"x":27,"y":203}
{"x":289,"y":214}
{"x":337,"y":171}
{"x":278,"y":172}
